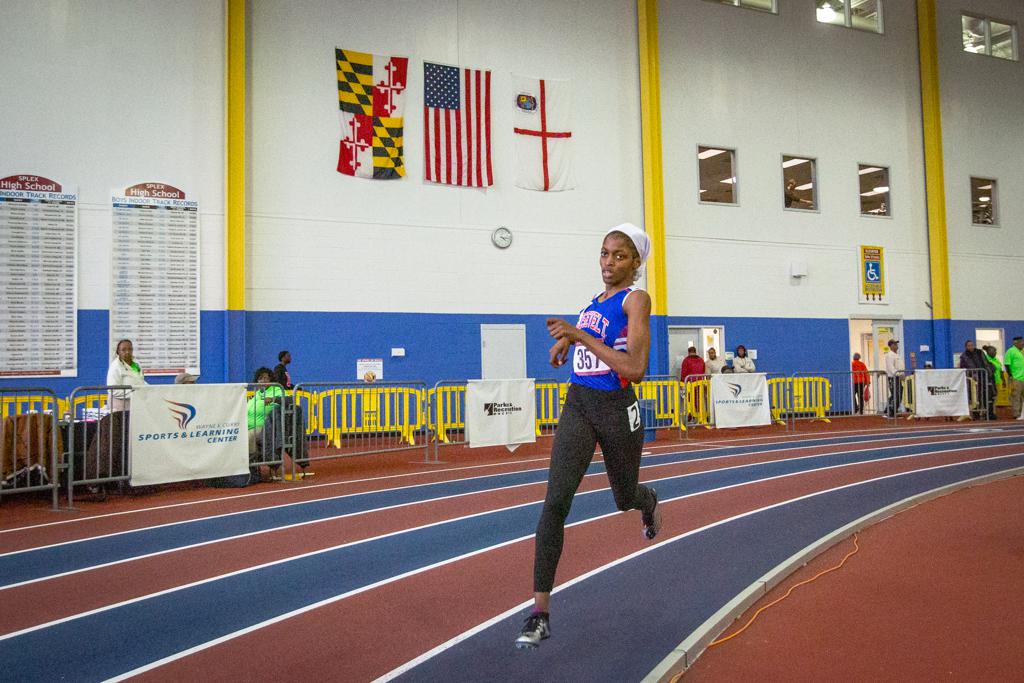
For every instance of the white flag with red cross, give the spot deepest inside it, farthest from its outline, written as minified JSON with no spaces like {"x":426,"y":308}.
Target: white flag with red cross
{"x":542,"y":125}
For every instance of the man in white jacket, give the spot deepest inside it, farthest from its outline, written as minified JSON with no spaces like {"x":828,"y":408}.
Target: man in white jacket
{"x":893,"y":366}
{"x":123,"y":371}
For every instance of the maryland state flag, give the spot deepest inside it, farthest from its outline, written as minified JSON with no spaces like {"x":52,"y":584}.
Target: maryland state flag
{"x":372,"y":101}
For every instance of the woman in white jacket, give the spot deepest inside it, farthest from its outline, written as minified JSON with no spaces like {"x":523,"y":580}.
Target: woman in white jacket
{"x":123,"y":371}
{"x":741,"y":362}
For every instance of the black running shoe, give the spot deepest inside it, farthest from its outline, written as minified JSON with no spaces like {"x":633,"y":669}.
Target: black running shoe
{"x":536,"y":629}
{"x":652,"y":519}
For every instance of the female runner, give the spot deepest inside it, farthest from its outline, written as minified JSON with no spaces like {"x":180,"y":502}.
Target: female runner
{"x":610,"y":345}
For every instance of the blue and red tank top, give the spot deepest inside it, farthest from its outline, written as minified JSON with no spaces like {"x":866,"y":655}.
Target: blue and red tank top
{"x":607,"y":321}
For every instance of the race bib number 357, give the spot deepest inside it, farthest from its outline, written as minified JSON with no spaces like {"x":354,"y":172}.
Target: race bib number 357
{"x":586,"y":363}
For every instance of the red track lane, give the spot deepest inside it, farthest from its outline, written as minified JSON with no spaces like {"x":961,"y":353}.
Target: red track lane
{"x":371,"y":633}
{"x":41,"y":536}
{"x":935,"y":593}
{"x":59,"y":597}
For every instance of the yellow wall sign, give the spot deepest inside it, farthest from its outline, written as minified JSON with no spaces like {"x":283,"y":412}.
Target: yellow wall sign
{"x":872,"y":274}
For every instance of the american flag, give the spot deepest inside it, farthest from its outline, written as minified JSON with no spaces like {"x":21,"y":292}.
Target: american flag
{"x":457,"y":122}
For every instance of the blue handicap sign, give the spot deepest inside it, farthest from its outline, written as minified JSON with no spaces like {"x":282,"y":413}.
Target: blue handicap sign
{"x":872,"y":271}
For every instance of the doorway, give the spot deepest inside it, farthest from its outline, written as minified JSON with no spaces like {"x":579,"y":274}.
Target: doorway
{"x":502,"y":351}
{"x":681,"y":338}
{"x":870,"y":338}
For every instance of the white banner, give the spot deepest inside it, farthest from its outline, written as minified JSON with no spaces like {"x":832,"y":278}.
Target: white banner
{"x":188,"y":431}
{"x":740,"y":400}
{"x":941,"y":393}
{"x":500,"y":412}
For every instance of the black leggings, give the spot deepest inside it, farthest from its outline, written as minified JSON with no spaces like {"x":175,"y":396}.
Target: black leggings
{"x":589,"y":417}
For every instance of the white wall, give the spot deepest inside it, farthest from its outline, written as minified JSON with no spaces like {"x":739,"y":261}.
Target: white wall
{"x":102,"y":94}
{"x":772,"y":84}
{"x":983,"y":135}
{"x":405,"y":245}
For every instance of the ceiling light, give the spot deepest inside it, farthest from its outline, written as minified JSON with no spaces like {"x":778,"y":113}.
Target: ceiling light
{"x":984,"y":199}
{"x":881,"y":189}
{"x":794,"y":162}
{"x":703,"y":191}
{"x":728,"y":181}
{"x":868,"y":194}
{"x":806,"y":186}
{"x":708,"y":153}
{"x":869,"y":169}
{"x":985,"y":187}
{"x":826,"y":14}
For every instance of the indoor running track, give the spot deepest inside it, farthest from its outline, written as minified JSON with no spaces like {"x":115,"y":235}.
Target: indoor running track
{"x":427,"y":576}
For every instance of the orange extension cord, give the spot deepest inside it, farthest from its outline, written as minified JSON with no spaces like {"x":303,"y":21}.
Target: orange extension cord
{"x":856,"y":549}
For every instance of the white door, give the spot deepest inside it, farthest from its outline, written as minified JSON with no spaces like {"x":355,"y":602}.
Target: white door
{"x":502,"y":351}
{"x":712,"y":338}
{"x":679,"y":340}
{"x":883,"y":331}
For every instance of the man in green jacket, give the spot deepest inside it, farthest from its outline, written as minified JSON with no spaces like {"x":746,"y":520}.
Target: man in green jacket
{"x":1014,"y":359}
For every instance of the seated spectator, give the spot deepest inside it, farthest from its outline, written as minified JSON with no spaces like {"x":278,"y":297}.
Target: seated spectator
{"x":262,"y":404}
{"x":124,"y":370}
{"x":741,"y":362}
{"x":185,"y":378}
{"x":692,"y":365}
{"x":714,"y":364}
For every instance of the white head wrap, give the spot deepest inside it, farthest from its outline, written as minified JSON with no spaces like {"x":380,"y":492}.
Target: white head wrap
{"x":639,"y":237}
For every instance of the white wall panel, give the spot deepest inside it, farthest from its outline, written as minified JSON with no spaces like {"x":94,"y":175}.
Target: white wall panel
{"x":104,"y":93}
{"x":406,"y":245}
{"x":982,"y":120}
{"x":773,"y":84}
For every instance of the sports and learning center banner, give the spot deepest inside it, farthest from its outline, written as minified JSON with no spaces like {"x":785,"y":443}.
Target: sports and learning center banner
{"x":740,"y":400}
{"x":941,"y":393}
{"x":188,"y":431}
{"x":500,"y":412}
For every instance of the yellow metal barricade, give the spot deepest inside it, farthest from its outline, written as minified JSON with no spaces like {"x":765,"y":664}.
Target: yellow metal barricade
{"x":780,"y":398}
{"x":908,"y":393}
{"x":698,"y":402}
{"x":449,"y":401}
{"x":348,"y":411}
{"x":812,"y":395}
{"x":665,"y":396}
{"x":20,"y":404}
{"x":550,"y":399}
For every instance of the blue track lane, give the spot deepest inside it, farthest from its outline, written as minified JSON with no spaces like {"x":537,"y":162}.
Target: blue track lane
{"x":620,"y":624}
{"x":28,"y":565}
{"x":101,"y":645}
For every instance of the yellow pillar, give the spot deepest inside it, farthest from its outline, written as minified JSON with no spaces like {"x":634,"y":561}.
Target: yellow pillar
{"x":650,"y":111}
{"x":935,"y":183}
{"x":235,"y":139}
{"x":234,"y":191}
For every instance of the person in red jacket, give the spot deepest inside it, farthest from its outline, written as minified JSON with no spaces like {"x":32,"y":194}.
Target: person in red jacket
{"x":692,"y":365}
{"x":861,"y":378}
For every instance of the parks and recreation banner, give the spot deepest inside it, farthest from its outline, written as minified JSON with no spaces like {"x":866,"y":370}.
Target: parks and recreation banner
{"x":188,"y":431}
{"x":740,"y":400}
{"x":941,"y":393}
{"x":500,"y":412}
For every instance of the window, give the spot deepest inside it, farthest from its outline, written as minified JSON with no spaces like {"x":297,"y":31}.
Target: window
{"x":865,"y":15}
{"x":989,"y":37}
{"x":983,"y":201}
{"x":799,"y":183}
{"x":874,"y":190}
{"x":763,"y":5}
{"x":716,"y":167}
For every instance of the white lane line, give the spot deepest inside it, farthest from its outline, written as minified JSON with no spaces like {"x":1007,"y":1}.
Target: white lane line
{"x":412,"y":663}
{"x":963,"y":439}
{"x":464,"y":517}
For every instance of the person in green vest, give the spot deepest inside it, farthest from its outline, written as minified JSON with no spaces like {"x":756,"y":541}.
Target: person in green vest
{"x":1014,"y":360}
{"x":262,"y":404}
